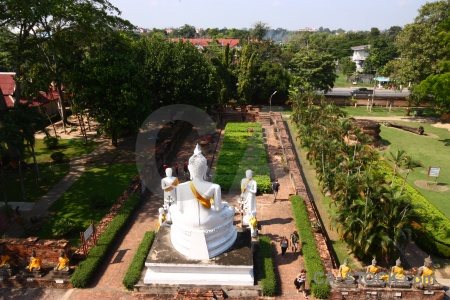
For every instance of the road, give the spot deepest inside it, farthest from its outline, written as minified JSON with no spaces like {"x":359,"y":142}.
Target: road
{"x":378,"y":92}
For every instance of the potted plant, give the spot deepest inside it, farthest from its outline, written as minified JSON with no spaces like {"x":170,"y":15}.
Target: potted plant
{"x":316,"y":226}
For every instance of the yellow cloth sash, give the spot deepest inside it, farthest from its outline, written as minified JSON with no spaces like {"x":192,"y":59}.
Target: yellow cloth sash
{"x":35,"y":263}
{"x":373,"y":269}
{"x":399,"y":271}
{"x":253,"y":222}
{"x":344,"y":271}
{"x":427,"y":272}
{"x":175,"y":183}
{"x":163,"y":219}
{"x":244,"y":186}
{"x":63,"y":263}
{"x":5,"y":259}
{"x":205,"y":202}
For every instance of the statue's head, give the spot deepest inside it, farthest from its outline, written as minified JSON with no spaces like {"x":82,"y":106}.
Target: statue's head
{"x":61,"y":253}
{"x":33,"y":253}
{"x":249,"y":174}
{"x":197,"y":164}
{"x":374,"y":262}
{"x":253,"y":214}
{"x":428,"y":262}
{"x":161,"y":210}
{"x":169,"y":172}
{"x":398,"y":262}
{"x":346,"y":262}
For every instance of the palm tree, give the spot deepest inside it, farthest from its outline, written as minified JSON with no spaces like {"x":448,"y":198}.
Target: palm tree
{"x":409,"y":164}
{"x":397,"y":159}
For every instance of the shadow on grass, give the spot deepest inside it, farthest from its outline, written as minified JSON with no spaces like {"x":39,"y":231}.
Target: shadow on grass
{"x":446,"y":142}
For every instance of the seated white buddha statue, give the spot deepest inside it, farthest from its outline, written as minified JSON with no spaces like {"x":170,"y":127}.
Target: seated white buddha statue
{"x":202,"y":225}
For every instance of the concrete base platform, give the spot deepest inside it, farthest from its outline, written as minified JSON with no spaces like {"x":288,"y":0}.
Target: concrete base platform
{"x":166,"y":266}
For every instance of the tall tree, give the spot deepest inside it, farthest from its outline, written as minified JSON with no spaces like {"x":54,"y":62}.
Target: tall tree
{"x":313,"y":70}
{"x":259,"y":31}
{"x":111,"y":84}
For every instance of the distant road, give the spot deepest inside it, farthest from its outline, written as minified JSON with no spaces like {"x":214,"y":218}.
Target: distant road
{"x":378,"y":92}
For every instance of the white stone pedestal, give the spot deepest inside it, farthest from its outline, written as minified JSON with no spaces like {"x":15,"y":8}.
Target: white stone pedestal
{"x":165,"y":265}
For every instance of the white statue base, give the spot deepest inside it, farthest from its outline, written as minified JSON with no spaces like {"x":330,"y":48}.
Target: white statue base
{"x":166,"y":266}
{"x":201,"y":244}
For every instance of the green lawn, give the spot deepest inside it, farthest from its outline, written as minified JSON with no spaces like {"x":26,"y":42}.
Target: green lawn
{"x":341,"y":82}
{"x":101,"y":185}
{"x":50,"y":172}
{"x":382,"y":111}
{"x":431,"y":150}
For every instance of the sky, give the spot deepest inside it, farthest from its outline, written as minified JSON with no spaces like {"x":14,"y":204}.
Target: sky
{"x":286,"y":14}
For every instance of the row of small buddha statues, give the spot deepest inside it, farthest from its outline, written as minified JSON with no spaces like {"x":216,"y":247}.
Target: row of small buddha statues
{"x":424,"y":278}
{"x":35,"y":262}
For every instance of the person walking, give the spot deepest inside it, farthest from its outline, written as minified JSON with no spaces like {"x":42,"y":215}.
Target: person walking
{"x":294,"y":241}
{"x":275,"y":188}
{"x":284,"y":245}
{"x":300,"y":282}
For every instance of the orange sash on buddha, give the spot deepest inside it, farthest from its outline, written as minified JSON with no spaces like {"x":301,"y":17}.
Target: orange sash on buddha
{"x":203,"y":201}
{"x":253,"y":222}
{"x":175,"y":183}
{"x":244,"y":186}
{"x":373,"y":269}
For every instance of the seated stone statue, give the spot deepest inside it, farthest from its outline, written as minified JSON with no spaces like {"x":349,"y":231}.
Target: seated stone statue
{"x":425,"y":276}
{"x":202,"y":225}
{"x":162,"y":221}
{"x":5,"y":260}
{"x":397,"y":278}
{"x":343,"y":273}
{"x":248,"y":195}
{"x":370,"y":278}
{"x":253,"y":225}
{"x":63,"y":262}
{"x":169,"y":185}
{"x":35,"y":262}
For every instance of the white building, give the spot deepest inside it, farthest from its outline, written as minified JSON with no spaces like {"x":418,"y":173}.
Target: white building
{"x":360,"y":53}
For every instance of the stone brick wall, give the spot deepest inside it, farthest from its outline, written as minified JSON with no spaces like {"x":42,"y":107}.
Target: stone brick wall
{"x":300,"y":188}
{"x":385,"y":294}
{"x":19,"y":249}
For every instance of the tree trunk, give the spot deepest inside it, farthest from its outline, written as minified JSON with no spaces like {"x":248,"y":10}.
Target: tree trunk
{"x":114,"y":137}
{"x":62,"y":111}
{"x":22,"y":185}
{"x":36,"y":166}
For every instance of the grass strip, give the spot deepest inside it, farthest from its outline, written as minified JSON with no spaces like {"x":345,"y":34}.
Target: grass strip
{"x":313,"y":263}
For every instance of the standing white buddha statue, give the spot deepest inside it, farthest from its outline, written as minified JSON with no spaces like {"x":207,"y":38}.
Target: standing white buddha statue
{"x":248,"y":196}
{"x":202,"y":225}
{"x":169,"y":185}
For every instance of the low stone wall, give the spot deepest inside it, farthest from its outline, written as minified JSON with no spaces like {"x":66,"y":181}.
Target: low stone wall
{"x":386,"y":294}
{"x":300,"y":188}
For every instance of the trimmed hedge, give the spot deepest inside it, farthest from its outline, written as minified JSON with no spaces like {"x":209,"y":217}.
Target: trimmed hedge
{"x":90,"y":266}
{"x":432,"y":236}
{"x":267,"y":273}
{"x":313,"y":263}
{"x":135,"y":269}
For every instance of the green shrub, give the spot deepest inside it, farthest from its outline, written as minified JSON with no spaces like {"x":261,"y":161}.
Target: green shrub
{"x":88,"y":268}
{"x":135,"y":269}
{"x":432,"y":236}
{"x":63,"y":226}
{"x":51,"y":142}
{"x":267,"y":270}
{"x":57,"y":157}
{"x":311,"y":256}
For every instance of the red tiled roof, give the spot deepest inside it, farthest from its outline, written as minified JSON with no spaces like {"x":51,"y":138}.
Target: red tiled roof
{"x":206,"y":42}
{"x":7,"y":83}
